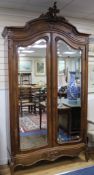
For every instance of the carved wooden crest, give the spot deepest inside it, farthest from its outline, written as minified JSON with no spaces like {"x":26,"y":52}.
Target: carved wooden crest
{"x":51,"y":15}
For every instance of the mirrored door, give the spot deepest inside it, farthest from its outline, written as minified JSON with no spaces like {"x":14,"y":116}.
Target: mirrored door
{"x":32,"y":100}
{"x":69,"y":93}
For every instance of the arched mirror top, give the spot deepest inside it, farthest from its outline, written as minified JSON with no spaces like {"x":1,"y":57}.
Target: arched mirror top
{"x":68,"y":42}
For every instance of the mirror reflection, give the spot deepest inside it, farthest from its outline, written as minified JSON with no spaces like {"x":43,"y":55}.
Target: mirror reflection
{"x":69,"y":93}
{"x":32,"y":89}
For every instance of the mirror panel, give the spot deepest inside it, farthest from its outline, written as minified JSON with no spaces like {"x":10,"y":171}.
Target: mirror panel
{"x":69,"y":92}
{"x":32,"y":100}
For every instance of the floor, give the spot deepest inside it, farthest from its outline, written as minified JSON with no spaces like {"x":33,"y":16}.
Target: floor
{"x":52,"y":168}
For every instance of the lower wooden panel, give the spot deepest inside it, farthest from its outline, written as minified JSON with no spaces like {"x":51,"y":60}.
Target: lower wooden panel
{"x":50,"y":154}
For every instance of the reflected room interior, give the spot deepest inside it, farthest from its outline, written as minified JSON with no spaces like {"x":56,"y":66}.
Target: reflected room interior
{"x":32,"y":95}
{"x":32,"y":87}
{"x":69,"y":93}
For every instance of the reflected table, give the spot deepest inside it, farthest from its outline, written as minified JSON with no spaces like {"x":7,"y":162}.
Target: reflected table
{"x":69,"y":116}
{"x":74,"y":115}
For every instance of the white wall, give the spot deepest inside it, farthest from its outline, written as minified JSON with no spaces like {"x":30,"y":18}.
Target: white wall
{"x":18,"y":18}
{"x":7,"y":18}
{"x":91,"y":107}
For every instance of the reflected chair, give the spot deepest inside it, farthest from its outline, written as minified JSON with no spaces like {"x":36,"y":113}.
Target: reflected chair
{"x":39,"y":98}
{"x":25,"y":100}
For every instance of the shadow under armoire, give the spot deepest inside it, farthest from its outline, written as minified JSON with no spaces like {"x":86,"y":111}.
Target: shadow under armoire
{"x":48,"y":113}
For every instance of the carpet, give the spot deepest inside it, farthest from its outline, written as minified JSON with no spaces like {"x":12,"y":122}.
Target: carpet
{"x":32,"y":122}
{"x":32,"y":140}
{"x":82,"y":171}
{"x":31,"y":136}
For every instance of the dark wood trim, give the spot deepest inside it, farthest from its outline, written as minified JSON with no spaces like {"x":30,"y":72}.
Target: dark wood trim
{"x":91,"y":150}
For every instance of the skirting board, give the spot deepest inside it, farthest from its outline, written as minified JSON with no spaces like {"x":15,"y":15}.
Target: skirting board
{"x":4,"y":170}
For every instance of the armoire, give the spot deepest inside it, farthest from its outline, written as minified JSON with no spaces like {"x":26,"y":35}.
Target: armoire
{"x":47,"y":116}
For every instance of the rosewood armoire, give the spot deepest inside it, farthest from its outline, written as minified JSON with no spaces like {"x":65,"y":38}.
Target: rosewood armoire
{"x":48,"y":113}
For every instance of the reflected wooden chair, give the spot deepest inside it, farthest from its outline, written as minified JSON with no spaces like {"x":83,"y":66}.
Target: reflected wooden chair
{"x":38,"y":96}
{"x":25,"y":100}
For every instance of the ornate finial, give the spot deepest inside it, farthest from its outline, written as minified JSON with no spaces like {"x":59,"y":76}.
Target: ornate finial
{"x":53,"y":10}
{"x":51,"y":15}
